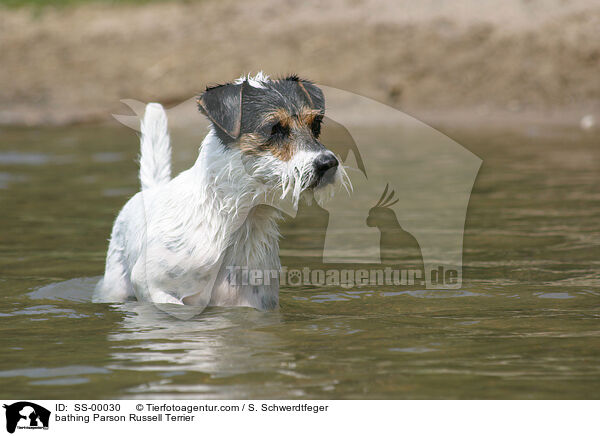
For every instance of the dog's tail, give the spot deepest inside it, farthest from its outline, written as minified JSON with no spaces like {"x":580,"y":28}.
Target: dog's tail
{"x":155,"y":158}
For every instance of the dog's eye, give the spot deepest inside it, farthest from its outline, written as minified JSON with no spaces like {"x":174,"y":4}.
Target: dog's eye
{"x":316,"y":126}
{"x":279,"y":131}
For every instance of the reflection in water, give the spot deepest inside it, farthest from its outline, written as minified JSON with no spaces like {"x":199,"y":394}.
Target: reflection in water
{"x":220,"y":342}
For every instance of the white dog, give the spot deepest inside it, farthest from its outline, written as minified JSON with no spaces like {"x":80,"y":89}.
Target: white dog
{"x":181,"y":240}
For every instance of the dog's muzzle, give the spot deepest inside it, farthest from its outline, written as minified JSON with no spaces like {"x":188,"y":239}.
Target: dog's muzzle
{"x":325,"y":166}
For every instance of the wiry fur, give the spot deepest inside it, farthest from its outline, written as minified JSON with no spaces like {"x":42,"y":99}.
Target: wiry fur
{"x":256,"y":81}
{"x":294,"y":176}
{"x":155,"y":158}
{"x":173,"y":241}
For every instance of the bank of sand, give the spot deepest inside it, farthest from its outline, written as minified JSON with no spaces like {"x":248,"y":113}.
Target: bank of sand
{"x":463,"y":61}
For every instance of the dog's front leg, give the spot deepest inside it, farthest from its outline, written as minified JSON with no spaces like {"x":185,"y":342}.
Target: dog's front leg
{"x":147,"y":285}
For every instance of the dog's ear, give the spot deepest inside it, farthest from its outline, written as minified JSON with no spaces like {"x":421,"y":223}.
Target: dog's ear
{"x":222,"y":105}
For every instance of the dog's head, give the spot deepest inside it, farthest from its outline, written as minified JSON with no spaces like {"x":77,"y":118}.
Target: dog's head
{"x":275,"y":126}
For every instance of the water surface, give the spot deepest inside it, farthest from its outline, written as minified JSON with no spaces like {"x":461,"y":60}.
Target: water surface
{"x":525,"y":324}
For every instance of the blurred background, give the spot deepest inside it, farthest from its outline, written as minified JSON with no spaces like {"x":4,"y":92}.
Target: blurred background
{"x":500,"y":61}
{"x":515,"y":82}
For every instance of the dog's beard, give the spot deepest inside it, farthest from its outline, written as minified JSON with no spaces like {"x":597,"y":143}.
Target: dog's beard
{"x":290,"y":179}
{"x":299,"y":177}
{"x":326,"y":189}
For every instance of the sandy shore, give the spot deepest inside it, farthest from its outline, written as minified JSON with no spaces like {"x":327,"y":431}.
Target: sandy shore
{"x":510,"y":60}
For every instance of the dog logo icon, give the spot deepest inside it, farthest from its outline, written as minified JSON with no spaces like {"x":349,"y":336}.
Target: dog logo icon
{"x":26,"y":415}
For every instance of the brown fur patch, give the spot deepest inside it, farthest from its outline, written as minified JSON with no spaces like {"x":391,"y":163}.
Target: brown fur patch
{"x":285,"y":152}
{"x":279,"y":116}
{"x":307,"y":116}
{"x":253,"y":144}
{"x":304,"y":117}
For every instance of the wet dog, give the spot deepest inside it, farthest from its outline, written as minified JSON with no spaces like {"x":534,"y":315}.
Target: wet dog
{"x":181,"y":240}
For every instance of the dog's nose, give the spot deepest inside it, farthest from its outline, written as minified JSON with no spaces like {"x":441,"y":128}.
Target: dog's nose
{"x":324,"y":162}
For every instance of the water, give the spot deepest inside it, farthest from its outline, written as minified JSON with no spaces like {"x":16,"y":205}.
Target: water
{"x":525,"y":324}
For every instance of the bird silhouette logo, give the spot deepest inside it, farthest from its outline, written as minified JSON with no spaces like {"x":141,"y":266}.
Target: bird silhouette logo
{"x":396,"y":245}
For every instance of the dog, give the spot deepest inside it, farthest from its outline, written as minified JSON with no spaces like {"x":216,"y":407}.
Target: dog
{"x":184,"y":240}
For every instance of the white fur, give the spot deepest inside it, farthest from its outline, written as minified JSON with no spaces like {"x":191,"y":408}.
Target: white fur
{"x":255,"y":81}
{"x":155,"y":159}
{"x":173,"y":241}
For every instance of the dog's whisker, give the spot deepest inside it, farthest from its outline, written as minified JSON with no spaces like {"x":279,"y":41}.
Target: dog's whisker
{"x":346,"y":182}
